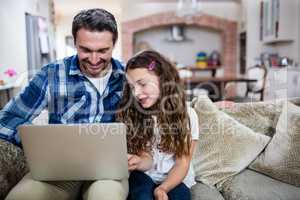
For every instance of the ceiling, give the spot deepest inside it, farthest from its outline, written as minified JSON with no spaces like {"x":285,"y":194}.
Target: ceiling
{"x":214,"y":1}
{"x":71,"y":3}
{"x":68,"y":7}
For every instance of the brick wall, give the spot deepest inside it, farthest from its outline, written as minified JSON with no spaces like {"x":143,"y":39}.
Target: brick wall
{"x":227,"y":29}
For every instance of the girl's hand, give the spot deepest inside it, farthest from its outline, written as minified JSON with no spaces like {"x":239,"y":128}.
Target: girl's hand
{"x":141,"y":162}
{"x":160,"y":194}
{"x":133,"y":162}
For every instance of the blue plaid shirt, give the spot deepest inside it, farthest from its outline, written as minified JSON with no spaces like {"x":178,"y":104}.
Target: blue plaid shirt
{"x":68,"y":95}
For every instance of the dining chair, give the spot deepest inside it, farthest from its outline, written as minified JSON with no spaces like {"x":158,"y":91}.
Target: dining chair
{"x":258,"y":72}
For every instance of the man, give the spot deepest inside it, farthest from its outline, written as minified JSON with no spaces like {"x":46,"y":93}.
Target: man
{"x":79,"y":89}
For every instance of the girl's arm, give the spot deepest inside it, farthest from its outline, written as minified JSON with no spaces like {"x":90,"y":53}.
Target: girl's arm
{"x":181,"y":166}
{"x":142,"y":162}
{"x":177,"y":173}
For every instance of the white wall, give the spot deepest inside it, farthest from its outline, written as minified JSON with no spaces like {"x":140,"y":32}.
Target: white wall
{"x":183,"y":52}
{"x":254,"y":46}
{"x":298,"y":38}
{"x":64,"y":23}
{"x":13,"y":48}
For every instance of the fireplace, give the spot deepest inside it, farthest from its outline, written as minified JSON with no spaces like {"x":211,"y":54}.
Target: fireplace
{"x":226,"y":29}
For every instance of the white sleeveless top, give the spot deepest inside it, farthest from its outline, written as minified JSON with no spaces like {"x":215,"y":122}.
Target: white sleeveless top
{"x":163,"y":162}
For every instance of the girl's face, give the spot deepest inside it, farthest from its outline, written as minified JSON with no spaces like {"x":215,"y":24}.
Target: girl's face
{"x":144,"y":85}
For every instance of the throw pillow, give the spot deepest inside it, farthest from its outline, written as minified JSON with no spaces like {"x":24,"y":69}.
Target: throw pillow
{"x":261,"y":117}
{"x":225,"y":146}
{"x":281,"y":158}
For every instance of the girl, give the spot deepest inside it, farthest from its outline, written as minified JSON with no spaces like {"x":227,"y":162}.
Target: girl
{"x":162,"y":130}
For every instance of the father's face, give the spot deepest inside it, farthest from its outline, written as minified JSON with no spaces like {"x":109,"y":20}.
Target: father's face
{"x":94,"y":51}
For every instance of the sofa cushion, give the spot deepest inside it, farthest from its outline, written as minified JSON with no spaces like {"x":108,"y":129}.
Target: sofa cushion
{"x":12,"y":166}
{"x":251,"y":185}
{"x":261,"y":117}
{"x":225,"y":146}
{"x":281,"y":158}
{"x":201,"y":191}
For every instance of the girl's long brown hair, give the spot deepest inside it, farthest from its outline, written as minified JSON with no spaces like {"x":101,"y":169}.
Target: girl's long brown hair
{"x":170,"y":110}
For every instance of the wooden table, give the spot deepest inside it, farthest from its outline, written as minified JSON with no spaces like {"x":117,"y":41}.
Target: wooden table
{"x":215,"y":84}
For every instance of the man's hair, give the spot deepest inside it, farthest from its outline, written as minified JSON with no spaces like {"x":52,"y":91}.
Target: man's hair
{"x":95,"y":20}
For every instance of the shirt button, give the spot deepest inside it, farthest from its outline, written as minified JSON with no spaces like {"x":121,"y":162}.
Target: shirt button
{"x":98,"y":119}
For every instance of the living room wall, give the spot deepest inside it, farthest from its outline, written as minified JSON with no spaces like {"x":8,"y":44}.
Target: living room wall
{"x":298,"y":33}
{"x":64,"y":17}
{"x":228,"y":10}
{"x":13,"y":46}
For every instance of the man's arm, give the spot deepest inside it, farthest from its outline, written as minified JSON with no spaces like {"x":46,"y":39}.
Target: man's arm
{"x":24,"y":107}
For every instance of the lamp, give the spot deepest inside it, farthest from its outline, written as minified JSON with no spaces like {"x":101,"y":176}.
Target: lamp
{"x":187,"y":8}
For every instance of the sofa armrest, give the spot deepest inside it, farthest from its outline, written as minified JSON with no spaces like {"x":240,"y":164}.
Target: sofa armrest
{"x":12,"y":166}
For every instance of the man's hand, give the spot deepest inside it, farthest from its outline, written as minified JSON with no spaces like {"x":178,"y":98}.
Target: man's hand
{"x":160,"y":194}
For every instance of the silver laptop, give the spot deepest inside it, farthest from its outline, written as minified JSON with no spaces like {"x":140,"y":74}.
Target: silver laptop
{"x":76,"y":152}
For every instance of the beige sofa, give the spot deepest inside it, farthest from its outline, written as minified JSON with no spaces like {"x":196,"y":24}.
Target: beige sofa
{"x":254,"y":155}
{"x":237,"y":179}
